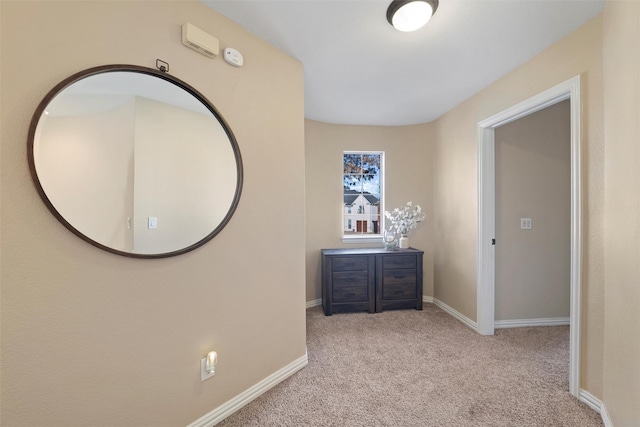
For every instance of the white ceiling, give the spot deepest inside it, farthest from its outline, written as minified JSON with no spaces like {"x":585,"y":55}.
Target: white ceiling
{"x":359,"y":70}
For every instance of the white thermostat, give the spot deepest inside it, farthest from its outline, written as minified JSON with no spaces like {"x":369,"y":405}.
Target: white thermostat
{"x":233,"y":57}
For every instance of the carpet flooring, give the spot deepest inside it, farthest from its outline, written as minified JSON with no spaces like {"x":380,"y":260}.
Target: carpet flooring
{"x":422,"y":368}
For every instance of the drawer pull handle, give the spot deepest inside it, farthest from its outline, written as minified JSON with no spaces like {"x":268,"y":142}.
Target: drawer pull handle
{"x":351,"y":294}
{"x":398,"y":276}
{"x":398,"y":292}
{"x":350,"y":279}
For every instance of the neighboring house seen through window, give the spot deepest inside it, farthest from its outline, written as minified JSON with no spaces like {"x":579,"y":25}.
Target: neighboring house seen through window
{"x":362,"y":193}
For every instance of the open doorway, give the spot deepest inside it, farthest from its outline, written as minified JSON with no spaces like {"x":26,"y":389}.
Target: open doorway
{"x":533,"y":219}
{"x":568,"y":90}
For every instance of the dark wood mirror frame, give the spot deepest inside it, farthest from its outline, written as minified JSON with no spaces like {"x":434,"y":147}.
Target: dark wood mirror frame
{"x":157,"y":74}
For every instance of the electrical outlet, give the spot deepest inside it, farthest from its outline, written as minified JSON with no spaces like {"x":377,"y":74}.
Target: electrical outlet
{"x":525,"y":223}
{"x":204,"y":375}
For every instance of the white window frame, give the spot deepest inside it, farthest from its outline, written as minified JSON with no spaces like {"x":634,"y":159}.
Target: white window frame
{"x":364,"y":238}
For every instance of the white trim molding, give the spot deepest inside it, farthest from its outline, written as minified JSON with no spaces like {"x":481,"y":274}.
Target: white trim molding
{"x":570,"y":89}
{"x":455,"y":313}
{"x":605,"y":416}
{"x":591,"y":401}
{"x":314,"y":303}
{"x":231,"y":406}
{"x":521,"y":323}
{"x":375,"y":238}
{"x":597,"y":405}
{"x":486,"y":230}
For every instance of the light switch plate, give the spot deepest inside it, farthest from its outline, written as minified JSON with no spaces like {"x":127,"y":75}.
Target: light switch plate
{"x":153,"y":223}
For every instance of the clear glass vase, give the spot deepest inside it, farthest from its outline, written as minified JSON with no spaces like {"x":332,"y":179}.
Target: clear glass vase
{"x":390,"y":240}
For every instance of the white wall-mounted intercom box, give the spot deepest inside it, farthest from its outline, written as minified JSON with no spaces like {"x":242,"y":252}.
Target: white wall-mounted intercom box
{"x":198,"y":40}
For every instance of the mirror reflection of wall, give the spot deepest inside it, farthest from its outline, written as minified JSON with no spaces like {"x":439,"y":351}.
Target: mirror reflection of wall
{"x":85,"y":166}
{"x":118,"y":148}
{"x":177,"y":176}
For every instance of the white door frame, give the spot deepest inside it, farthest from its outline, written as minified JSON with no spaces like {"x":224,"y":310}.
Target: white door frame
{"x":571,"y":90}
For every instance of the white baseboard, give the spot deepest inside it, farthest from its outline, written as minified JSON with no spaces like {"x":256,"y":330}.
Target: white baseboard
{"x":597,"y":405}
{"x":453,"y":312}
{"x":519,"y":323}
{"x":605,"y":416}
{"x":592,"y":401}
{"x":314,"y":303}
{"x":231,"y":406}
{"x":428,"y":299}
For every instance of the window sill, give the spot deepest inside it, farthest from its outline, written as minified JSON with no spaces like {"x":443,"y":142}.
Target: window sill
{"x":362,"y":239}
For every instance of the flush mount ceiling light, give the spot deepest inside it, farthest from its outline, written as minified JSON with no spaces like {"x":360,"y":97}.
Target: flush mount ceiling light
{"x":409,"y":15}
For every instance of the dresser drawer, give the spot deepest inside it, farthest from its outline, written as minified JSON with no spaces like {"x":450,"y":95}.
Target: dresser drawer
{"x":405,"y":291}
{"x":353,"y":263}
{"x":350,"y":294}
{"x":399,"y":277}
{"x":350,"y":278}
{"x":399,"y":284}
{"x":391,"y":262}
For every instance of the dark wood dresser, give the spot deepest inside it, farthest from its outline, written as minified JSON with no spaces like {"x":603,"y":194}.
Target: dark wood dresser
{"x":372,"y":279}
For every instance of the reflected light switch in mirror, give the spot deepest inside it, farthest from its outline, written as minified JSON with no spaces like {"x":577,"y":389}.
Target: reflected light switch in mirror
{"x":153,"y":222}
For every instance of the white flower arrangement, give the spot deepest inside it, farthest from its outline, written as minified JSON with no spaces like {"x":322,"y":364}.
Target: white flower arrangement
{"x":405,"y":219}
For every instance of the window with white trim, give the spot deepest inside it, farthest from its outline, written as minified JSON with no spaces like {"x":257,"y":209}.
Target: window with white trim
{"x":362,"y":200}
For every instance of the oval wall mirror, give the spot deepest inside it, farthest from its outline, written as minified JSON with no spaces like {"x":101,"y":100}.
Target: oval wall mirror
{"x":134,"y":161}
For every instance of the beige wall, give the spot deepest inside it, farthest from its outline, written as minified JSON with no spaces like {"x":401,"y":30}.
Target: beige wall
{"x":533,"y":180}
{"x":455,"y":185}
{"x":622,"y":212}
{"x":409,"y":177}
{"x":92,"y":338}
